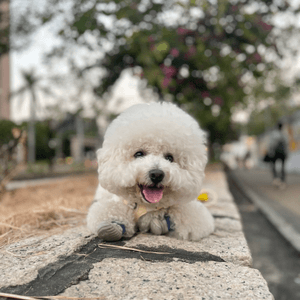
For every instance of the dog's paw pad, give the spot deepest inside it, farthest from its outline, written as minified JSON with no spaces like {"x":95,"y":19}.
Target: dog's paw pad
{"x":110,"y":231}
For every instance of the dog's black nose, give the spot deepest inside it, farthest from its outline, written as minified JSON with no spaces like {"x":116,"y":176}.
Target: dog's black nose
{"x":156,"y":175}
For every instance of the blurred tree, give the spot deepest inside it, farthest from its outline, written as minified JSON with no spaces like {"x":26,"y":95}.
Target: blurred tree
{"x":32,"y":84}
{"x":206,"y":56}
{"x":43,"y":135}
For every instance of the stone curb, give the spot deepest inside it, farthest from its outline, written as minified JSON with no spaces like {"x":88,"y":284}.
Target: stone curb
{"x":75,"y":264}
{"x":41,"y":179}
{"x":56,"y":277}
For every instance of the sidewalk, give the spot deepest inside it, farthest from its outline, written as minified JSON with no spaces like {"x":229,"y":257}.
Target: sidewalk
{"x":281,"y":207}
{"x":75,"y":264}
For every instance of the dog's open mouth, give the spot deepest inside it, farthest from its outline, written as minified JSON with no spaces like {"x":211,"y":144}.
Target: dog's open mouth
{"x":152,"y":193}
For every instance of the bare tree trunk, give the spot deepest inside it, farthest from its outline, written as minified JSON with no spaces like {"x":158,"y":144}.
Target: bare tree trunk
{"x":80,"y":138}
{"x":31,"y":130}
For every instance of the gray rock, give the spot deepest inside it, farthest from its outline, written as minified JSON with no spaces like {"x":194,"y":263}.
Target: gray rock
{"x":20,"y":262}
{"x":220,"y":266}
{"x":137,"y":279}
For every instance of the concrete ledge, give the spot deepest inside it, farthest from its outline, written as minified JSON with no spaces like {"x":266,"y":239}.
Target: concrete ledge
{"x":74,"y":264}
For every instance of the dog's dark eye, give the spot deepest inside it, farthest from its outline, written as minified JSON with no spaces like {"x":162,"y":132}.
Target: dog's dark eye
{"x":139,"y":154}
{"x":169,"y":157}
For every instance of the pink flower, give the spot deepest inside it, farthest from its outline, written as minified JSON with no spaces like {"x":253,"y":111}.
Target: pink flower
{"x":151,"y":39}
{"x":168,"y":71}
{"x":182,"y":31}
{"x":265,"y":26}
{"x":218,"y":101}
{"x":257,"y":57}
{"x":234,"y":7}
{"x":205,"y":94}
{"x":166,"y":82}
{"x":174,"y":52}
{"x":191,"y":52}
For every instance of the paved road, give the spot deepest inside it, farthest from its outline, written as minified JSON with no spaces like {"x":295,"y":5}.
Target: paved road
{"x":260,"y":180}
{"x":276,"y":259}
{"x":282,"y":206}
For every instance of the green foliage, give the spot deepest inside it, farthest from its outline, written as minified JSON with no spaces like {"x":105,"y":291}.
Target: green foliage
{"x":43,"y":136}
{"x":6,"y":127}
{"x":90,"y":127}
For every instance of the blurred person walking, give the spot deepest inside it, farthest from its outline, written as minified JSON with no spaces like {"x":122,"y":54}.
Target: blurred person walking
{"x":278,"y":151}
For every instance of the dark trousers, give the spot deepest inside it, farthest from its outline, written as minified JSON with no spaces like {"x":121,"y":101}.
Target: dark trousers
{"x":280,"y":174}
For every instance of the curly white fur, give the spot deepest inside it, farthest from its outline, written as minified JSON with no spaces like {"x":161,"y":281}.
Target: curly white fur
{"x":156,"y":129}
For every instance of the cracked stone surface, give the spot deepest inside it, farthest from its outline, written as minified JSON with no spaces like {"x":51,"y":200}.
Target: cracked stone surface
{"x":137,"y":279}
{"x":20,"y":262}
{"x":231,"y":247}
{"x":217,"y":266}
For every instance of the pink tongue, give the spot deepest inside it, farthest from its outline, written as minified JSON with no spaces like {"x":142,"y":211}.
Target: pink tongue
{"x":153,"y":195}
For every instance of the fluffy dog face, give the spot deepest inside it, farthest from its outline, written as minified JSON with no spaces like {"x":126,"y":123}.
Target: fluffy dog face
{"x":153,"y":154}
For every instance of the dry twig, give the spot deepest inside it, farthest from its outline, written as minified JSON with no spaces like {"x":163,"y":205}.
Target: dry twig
{"x":13,"y":296}
{"x":130,"y":249}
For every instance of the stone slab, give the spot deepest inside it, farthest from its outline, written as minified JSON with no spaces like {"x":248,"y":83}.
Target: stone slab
{"x":232,"y":248}
{"x":77,"y":265}
{"x":138,"y":279}
{"x":20,"y":262}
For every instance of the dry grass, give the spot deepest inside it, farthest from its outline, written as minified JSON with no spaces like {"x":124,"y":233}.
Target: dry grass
{"x":34,"y":210}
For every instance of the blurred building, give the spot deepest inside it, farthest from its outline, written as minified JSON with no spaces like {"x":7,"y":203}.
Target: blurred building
{"x":4,"y":61}
{"x":77,"y":137}
{"x":241,"y":153}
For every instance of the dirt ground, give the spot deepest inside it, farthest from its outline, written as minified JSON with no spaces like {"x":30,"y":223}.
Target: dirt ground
{"x":44,"y":208}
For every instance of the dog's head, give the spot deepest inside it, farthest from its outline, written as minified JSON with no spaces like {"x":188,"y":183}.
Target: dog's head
{"x":153,"y":154}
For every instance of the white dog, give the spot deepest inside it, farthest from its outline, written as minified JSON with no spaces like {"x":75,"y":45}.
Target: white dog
{"x":151,"y":168}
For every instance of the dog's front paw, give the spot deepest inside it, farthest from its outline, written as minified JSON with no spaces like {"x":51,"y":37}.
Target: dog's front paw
{"x":110,"y":231}
{"x":159,"y":224}
{"x":158,"y":227}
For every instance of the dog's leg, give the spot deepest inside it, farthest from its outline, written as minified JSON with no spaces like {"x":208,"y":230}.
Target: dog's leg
{"x":191,"y":221}
{"x":111,"y":219}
